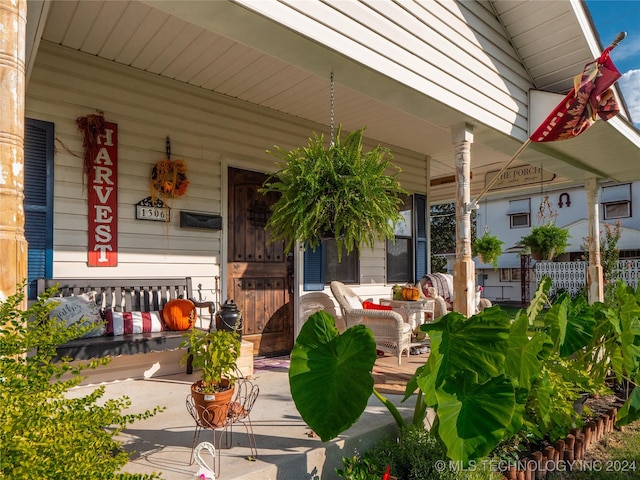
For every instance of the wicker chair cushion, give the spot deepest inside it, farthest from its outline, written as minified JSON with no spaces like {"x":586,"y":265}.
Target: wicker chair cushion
{"x":353,"y":301}
{"x":375,"y":306}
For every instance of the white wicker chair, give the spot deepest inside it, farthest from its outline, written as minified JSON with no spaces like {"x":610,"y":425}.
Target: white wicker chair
{"x":391,"y":332}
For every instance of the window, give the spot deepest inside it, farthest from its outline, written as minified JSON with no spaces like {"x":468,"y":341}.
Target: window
{"x":515,"y":275}
{"x":616,"y":201}
{"x":346,"y":271}
{"x":510,"y":275}
{"x":505,"y":274}
{"x":321,"y":266}
{"x":407,"y":256}
{"x":519,"y":213}
{"x":400,"y":251}
{"x":38,"y":200}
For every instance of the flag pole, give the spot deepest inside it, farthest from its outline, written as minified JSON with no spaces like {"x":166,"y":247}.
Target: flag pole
{"x":473,"y":205}
{"x":621,"y":36}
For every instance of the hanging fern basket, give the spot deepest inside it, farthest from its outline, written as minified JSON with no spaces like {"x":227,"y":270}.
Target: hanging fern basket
{"x":338,"y":191}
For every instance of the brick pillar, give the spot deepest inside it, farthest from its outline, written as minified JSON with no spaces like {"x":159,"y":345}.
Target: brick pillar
{"x":13,"y":245}
{"x":464,"y":270}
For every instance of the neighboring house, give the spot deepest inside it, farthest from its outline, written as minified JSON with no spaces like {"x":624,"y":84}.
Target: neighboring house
{"x":511,"y":217}
{"x":447,"y":85}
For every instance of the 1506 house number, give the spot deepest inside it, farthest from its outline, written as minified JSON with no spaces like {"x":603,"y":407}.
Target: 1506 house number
{"x":147,"y":209}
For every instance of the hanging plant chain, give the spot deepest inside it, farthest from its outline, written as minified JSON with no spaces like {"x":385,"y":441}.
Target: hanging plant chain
{"x":331,"y":113}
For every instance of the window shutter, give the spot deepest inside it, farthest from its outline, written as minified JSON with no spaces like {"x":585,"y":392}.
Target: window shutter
{"x":314,"y":268}
{"x":421,"y":239}
{"x":38,"y":200}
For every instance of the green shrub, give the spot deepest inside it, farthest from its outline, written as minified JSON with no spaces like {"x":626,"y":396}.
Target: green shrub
{"x":44,"y":434}
{"x":416,"y":455}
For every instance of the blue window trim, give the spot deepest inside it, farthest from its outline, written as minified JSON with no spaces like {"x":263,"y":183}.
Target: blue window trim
{"x":421,"y":236}
{"x":314,"y":268}
{"x":46,"y":154}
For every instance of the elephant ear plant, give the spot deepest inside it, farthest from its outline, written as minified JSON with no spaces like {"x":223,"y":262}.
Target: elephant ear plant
{"x":487,"y":378}
{"x":339,"y":191}
{"x":331,"y":369}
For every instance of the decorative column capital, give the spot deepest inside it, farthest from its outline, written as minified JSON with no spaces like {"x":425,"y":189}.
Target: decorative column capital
{"x":462,"y":132}
{"x":592,"y":188}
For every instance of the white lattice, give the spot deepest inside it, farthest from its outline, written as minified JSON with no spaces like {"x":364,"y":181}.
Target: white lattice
{"x":629,"y":271}
{"x":568,"y":276}
{"x":572,"y":276}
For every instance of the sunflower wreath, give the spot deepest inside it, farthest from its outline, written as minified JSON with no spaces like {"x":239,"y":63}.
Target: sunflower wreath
{"x":169,"y":178}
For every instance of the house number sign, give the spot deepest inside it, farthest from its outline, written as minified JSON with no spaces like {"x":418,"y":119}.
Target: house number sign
{"x":148,"y":209}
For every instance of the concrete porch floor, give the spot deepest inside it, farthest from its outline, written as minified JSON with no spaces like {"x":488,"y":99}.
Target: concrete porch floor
{"x":286,"y":448}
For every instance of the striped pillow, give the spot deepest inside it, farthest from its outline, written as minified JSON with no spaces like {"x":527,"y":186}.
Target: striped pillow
{"x":124,"y":323}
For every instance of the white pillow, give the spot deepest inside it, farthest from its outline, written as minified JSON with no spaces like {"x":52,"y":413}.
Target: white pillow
{"x":78,"y":309}
{"x":353,"y":301}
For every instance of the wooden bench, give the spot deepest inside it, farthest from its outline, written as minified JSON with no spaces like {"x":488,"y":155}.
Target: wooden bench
{"x":125,"y":295}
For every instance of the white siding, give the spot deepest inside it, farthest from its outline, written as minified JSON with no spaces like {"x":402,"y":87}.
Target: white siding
{"x":208,"y":131}
{"x":455,"y":52}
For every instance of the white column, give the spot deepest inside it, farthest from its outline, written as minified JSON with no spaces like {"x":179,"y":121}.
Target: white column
{"x":427,"y":161}
{"x":595,"y":279}
{"x":464,"y":270}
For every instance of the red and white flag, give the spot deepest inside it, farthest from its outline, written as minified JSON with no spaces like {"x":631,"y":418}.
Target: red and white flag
{"x":590,"y":98}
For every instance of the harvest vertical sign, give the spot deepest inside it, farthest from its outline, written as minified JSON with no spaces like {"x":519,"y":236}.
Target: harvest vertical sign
{"x":103,"y":200}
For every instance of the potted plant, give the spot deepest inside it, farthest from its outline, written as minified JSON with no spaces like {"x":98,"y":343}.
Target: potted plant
{"x":216,"y":354}
{"x":338,"y":192}
{"x":546,"y":241}
{"x":488,"y":248}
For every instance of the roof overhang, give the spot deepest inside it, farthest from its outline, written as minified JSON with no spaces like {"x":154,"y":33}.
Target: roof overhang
{"x":395,"y":114}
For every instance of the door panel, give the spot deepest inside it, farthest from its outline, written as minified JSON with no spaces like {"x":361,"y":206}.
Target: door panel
{"x":258,"y":278}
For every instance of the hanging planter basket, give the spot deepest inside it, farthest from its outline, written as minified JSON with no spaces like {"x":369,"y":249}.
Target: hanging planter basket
{"x":546,"y":241}
{"x":541,"y":255}
{"x":338,"y":191}
{"x":488,"y":248}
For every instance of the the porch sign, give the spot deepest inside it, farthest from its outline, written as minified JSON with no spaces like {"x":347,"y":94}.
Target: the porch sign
{"x":519,"y":176}
{"x":103,"y":201}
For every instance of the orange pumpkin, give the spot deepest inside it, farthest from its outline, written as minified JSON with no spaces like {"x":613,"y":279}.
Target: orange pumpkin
{"x":179,"y":314}
{"x":410,"y":293}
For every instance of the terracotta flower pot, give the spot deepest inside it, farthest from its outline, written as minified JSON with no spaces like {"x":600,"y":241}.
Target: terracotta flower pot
{"x":213,"y":408}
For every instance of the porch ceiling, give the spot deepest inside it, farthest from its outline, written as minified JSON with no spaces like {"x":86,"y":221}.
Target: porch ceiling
{"x":221,"y":52}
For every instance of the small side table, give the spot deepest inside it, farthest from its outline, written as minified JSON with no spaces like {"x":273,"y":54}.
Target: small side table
{"x":413,"y":312}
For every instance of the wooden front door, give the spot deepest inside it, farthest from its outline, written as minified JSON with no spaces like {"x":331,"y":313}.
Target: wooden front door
{"x":259,"y":276}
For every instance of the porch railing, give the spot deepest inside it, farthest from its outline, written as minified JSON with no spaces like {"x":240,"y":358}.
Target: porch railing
{"x":572,"y":276}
